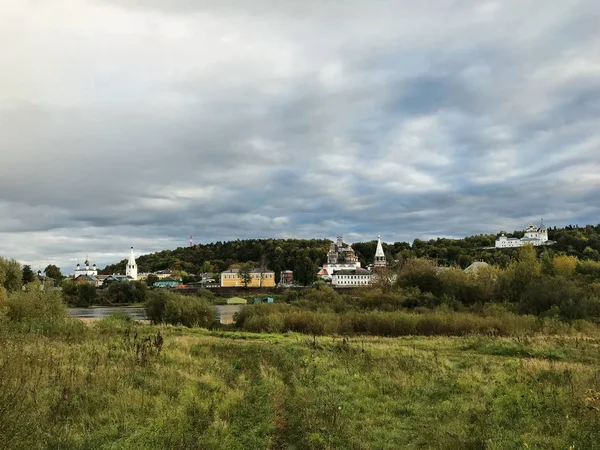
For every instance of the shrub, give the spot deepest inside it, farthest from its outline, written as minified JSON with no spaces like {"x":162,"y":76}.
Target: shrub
{"x":442,"y":321}
{"x":126,"y":292}
{"x":37,"y":311}
{"x":206,"y":294}
{"x":167,"y":307}
{"x":420,"y":273}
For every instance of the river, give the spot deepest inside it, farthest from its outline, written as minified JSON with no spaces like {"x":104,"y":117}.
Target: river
{"x":224,"y":312}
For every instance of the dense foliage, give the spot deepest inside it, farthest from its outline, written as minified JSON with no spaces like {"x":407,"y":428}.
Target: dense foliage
{"x":11,"y":274}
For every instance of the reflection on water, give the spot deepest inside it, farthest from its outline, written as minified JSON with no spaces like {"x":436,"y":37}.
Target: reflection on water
{"x":225,"y":313}
{"x":136,"y":313}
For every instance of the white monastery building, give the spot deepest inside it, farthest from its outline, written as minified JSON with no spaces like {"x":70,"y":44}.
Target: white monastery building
{"x":131,"y":270}
{"x":343,"y":267}
{"x":350,"y":278}
{"x":533,"y":235}
{"x":340,"y":257}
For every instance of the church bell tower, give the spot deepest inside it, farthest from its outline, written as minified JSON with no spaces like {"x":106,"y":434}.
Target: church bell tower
{"x":131,"y":270}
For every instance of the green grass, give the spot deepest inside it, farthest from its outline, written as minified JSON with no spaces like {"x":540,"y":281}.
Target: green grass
{"x":96,"y":388}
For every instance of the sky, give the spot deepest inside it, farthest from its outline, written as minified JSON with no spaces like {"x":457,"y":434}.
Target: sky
{"x":140,"y":122}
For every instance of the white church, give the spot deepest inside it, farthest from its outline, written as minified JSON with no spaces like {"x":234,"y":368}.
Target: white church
{"x":86,"y":270}
{"x":533,"y":235}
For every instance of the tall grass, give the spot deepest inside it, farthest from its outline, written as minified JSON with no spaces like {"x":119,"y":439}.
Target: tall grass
{"x":205,"y":389}
{"x":491,"y":321}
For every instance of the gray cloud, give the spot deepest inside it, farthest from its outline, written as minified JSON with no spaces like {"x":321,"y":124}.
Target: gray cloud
{"x":138,"y":123}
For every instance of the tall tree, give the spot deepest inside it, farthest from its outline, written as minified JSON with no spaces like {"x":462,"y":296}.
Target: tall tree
{"x":306,"y":271}
{"x":151,"y":279}
{"x":28,"y":275}
{"x":53,"y":272}
{"x":245,"y":274}
{"x":11,"y":275}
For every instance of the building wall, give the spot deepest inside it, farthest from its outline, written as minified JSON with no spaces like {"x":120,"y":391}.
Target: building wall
{"x":83,"y":271}
{"x":351,"y":280}
{"x":229,"y":279}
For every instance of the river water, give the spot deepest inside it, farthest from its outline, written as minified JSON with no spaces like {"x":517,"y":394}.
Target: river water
{"x":224,"y":312}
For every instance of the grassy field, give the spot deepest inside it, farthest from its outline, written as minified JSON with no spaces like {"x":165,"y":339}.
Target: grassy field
{"x":116,"y":384}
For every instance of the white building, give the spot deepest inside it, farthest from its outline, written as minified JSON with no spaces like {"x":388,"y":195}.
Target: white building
{"x":351,"y":278}
{"x":343,"y":267}
{"x":533,"y":235}
{"x":340,"y":257}
{"x":131,"y":269}
{"x":86,"y":270}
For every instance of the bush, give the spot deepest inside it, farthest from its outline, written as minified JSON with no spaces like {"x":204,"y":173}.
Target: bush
{"x":420,"y":273}
{"x":37,"y":311}
{"x":206,"y":294}
{"x":567,"y":297}
{"x":167,"y":307}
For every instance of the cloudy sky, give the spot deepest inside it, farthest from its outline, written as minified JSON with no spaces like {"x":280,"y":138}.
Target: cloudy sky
{"x":140,"y":122}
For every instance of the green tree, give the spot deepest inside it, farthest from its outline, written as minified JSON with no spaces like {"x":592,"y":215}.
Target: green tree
{"x":28,"y":275}
{"x":151,"y":279}
{"x":86,"y":294}
{"x":278,"y":263}
{"x":547,"y":264}
{"x":245,"y":274}
{"x":53,"y":272}
{"x":207,"y":267}
{"x":11,"y":275}
{"x":126,"y":292}
{"x":305,"y":272}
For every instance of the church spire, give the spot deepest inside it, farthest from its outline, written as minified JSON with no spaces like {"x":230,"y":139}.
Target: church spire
{"x":379,"y":255}
{"x":131,"y":270}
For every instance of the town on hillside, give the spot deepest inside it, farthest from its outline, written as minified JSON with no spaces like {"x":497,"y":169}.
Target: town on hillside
{"x":342,"y":268}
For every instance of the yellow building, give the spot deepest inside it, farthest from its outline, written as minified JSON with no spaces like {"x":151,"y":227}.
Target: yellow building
{"x":231,"y":278}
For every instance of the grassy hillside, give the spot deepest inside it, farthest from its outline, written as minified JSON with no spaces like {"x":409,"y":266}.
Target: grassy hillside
{"x":105,"y":387}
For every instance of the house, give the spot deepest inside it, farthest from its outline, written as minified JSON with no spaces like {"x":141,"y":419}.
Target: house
{"x":351,"y":278}
{"x":167,"y":283}
{"x":161,"y":274}
{"x":207,"y":276}
{"x":286,"y":277}
{"x":258,"y":278}
{"x":117,"y":278}
{"x":533,"y":235}
{"x":87,"y":279}
{"x":102,"y":277}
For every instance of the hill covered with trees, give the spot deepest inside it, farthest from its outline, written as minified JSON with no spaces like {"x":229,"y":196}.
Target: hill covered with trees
{"x":304,"y":255}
